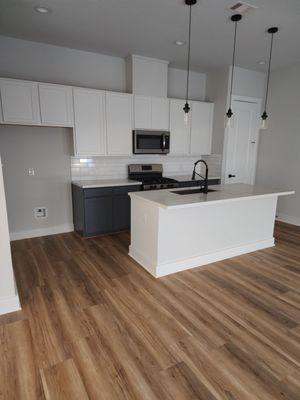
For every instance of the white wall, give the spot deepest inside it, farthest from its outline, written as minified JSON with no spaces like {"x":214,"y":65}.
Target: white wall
{"x":47,"y":150}
{"x":42,"y":62}
{"x":279,"y":148}
{"x":177,"y":84}
{"x":8,"y":296}
{"x":217,"y":92}
{"x":249,"y":83}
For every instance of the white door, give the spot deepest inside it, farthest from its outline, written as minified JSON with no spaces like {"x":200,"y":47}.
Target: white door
{"x":142,"y":112}
{"x":20,"y":102}
{"x":119,"y":123}
{"x":201,"y":127}
{"x":180,"y":132}
{"x":56,"y":105}
{"x":160,"y":113}
{"x":89,"y":117}
{"x":242,"y":139}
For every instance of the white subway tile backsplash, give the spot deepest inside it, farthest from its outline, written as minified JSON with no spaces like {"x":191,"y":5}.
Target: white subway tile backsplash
{"x":116,"y":167}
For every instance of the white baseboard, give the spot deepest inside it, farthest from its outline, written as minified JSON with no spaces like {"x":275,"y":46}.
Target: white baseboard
{"x":288,"y":219}
{"x":9,"y":304}
{"x":53,"y":230}
{"x":198,"y":261}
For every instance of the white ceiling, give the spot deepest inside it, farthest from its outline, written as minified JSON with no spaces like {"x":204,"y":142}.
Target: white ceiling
{"x":150,"y":27}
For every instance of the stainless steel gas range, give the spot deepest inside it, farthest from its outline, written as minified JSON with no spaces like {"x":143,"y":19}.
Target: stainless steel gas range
{"x":151,"y":176}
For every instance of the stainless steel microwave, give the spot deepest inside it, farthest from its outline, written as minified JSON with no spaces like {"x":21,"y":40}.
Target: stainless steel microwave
{"x":151,"y":142}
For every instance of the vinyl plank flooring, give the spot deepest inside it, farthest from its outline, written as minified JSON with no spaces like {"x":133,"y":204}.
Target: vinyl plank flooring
{"x":95,"y":325}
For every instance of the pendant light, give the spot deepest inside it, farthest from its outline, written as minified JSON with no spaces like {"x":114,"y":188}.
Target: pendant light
{"x":264,"y":116}
{"x":187,"y":107}
{"x":235,"y":18}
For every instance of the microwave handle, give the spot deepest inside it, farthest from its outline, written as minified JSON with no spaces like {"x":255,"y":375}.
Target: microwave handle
{"x":163,"y":142}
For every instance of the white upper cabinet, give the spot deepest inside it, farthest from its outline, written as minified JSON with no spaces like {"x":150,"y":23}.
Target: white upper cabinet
{"x":151,"y":112}
{"x":89,"y":118}
{"x":180,"y":132}
{"x":20,"y":102}
{"x":160,"y":115}
{"x":201,"y":127}
{"x":119,"y":122}
{"x":56,"y":104}
{"x":142,"y":112}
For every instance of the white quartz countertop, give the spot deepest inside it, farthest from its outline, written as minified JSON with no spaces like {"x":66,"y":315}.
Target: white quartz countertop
{"x":223,"y":193}
{"x":97,"y":183}
{"x":186,"y":178}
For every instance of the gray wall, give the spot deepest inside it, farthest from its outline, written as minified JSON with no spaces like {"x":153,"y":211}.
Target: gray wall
{"x":279,"y":148}
{"x":47,"y":150}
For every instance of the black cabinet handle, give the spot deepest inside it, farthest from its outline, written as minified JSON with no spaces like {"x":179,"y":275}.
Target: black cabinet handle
{"x":231,"y":176}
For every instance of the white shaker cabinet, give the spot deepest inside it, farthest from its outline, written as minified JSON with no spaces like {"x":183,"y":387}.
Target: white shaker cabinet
{"x":142,"y":112}
{"x":180,"y":131}
{"x":89,"y":119}
{"x":119,"y":123}
{"x":56,"y":104}
{"x":160,"y":113}
{"x":20,"y":102}
{"x":201,"y":127}
{"x":151,"y":113}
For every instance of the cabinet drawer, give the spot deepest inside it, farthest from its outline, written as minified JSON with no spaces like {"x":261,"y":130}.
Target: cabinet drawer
{"x":97,"y":192}
{"x":126,"y":189}
{"x":188,"y":183}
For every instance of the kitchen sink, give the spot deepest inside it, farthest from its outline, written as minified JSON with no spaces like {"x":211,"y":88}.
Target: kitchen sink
{"x":192,"y":191}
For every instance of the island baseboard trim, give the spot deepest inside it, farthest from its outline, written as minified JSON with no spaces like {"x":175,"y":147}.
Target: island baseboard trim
{"x":159,"y":271}
{"x":143,"y":261}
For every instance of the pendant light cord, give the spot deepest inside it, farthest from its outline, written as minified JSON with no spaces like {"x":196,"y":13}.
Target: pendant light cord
{"x":189,"y":55}
{"x":233,"y":62}
{"x":269,"y":71}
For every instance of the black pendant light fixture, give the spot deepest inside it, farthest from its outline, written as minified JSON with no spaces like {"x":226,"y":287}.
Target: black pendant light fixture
{"x":264,"y":116}
{"x":235,"y":18}
{"x":187,"y":107}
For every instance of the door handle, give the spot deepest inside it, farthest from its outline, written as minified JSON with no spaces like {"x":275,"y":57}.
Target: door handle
{"x":231,"y":176}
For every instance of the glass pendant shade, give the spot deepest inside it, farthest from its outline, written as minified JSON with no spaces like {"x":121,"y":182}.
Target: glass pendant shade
{"x":264,"y":121}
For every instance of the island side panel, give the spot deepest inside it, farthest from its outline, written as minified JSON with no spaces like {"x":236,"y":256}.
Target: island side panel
{"x":194,"y":236}
{"x":144,"y":233}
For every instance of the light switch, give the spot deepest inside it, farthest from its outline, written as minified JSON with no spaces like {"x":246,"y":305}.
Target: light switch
{"x":31,"y":172}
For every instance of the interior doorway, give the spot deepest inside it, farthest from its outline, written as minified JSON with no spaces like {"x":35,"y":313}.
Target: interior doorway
{"x":241,"y":141}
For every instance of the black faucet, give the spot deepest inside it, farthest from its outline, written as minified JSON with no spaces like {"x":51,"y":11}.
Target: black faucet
{"x":205,"y":189}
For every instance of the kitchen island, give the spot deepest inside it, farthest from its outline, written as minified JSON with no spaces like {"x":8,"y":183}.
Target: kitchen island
{"x":172,"y":232}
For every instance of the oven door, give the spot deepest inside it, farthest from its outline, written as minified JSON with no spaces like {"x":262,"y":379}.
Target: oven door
{"x":151,"y":142}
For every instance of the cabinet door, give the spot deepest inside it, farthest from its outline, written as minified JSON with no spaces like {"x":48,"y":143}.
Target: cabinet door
{"x":89,"y":117}
{"x":119,"y":123}
{"x":20,"y":104}
{"x":121,"y":212}
{"x":98,"y":215}
{"x":180,"y":132}
{"x":56,"y":105}
{"x":201,"y":128}
{"x":142,"y":112}
{"x":160,"y":113}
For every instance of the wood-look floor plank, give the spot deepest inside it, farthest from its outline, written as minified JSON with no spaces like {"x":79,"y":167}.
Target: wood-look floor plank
{"x":95,"y":325}
{"x":63,"y":382}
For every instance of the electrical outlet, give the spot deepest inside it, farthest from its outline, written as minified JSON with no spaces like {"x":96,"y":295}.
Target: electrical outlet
{"x":40,"y":212}
{"x":31,"y":172}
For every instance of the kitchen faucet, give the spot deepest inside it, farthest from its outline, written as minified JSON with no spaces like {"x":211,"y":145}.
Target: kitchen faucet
{"x":205,"y":190}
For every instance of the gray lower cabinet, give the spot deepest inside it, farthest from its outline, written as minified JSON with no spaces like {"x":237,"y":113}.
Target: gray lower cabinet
{"x":101,"y":210}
